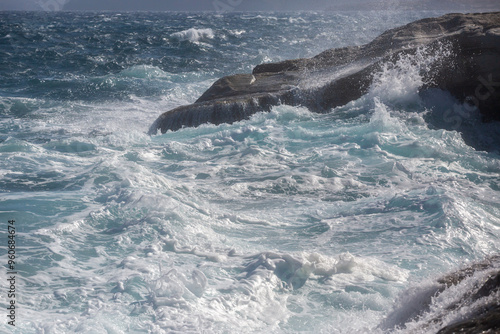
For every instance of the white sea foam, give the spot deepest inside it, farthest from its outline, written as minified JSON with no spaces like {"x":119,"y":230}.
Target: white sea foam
{"x":194,"y":35}
{"x":144,"y":72}
{"x":285,"y":222}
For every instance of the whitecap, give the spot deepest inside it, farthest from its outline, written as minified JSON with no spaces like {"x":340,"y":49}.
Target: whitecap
{"x":194,"y":35}
{"x":143,"y":72}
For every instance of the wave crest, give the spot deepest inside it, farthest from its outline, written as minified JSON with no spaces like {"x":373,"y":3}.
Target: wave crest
{"x":194,"y":35}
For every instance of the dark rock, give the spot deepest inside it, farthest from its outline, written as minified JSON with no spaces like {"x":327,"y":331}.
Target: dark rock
{"x":459,"y":275}
{"x":474,"y":303}
{"x":487,"y":321}
{"x":470,"y":73}
{"x":486,"y":317}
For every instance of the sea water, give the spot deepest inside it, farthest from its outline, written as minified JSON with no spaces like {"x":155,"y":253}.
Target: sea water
{"x":289,"y":221}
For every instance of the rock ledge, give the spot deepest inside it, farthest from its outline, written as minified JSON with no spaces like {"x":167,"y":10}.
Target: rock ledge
{"x":471,"y":73}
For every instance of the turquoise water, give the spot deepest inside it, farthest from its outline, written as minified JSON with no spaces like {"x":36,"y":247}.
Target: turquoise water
{"x":287,"y":222}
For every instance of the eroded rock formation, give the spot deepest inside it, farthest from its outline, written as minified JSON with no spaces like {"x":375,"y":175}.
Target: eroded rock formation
{"x":471,"y":73}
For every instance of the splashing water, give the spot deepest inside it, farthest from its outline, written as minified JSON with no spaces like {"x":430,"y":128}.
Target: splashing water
{"x":287,"y":222}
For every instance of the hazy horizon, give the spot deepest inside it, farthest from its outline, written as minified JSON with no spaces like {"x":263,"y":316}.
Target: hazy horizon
{"x":245,"y":5}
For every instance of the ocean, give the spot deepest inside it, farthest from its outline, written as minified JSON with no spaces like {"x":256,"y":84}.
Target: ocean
{"x":287,"y":222}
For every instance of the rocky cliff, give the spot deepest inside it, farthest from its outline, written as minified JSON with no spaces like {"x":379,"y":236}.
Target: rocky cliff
{"x":470,"y":72}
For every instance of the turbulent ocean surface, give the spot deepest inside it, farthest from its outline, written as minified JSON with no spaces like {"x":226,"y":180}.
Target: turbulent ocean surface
{"x":287,"y":222}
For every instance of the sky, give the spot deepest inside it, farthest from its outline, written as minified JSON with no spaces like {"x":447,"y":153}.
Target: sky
{"x":246,"y":5}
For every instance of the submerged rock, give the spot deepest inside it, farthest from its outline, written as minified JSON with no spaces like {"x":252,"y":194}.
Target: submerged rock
{"x":470,"y":72}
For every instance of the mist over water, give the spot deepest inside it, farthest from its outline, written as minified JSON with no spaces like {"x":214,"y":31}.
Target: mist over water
{"x":287,"y":222}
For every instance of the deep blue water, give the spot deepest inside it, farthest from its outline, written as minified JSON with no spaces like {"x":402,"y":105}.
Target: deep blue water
{"x":287,"y":222}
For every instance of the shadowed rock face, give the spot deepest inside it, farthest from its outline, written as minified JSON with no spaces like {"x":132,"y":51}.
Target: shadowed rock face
{"x":471,"y":73}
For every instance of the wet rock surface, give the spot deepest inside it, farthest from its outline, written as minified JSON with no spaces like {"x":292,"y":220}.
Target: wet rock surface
{"x":471,"y":73}
{"x":464,"y":301}
{"x":485,"y":317}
